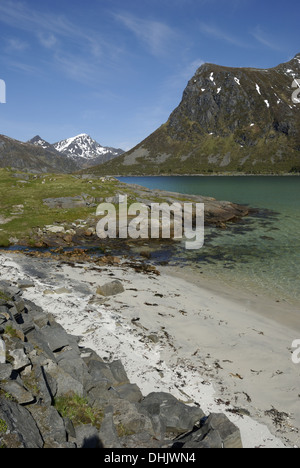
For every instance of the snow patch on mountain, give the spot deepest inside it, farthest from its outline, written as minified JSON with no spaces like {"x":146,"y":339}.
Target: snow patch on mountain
{"x":38,"y":141}
{"x":83,"y":146}
{"x":83,"y":150}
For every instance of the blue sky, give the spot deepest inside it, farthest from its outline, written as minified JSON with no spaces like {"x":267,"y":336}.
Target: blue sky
{"x":116,"y":69}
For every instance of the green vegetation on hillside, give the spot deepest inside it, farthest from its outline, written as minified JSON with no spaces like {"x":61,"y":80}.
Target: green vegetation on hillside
{"x":188,"y":157}
{"x":230,"y":120}
{"x":21,"y":201}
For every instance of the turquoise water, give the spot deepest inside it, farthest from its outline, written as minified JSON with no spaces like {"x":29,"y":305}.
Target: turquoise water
{"x":261,"y":254}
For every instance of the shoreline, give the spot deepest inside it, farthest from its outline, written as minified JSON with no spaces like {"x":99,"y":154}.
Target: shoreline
{"x":261,"y":303}
{"x":176,"y":336}
{"x":216,"y":174}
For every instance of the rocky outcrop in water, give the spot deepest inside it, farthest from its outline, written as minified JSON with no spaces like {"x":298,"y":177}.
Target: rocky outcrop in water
{"x":56,"y":394}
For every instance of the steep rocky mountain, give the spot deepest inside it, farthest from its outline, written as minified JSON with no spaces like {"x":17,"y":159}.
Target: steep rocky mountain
{"x":38,"y":141}
{"x":243,"y":120}
{"x":35,"y":158}
{"x":82,"y":150}
{"x":86,"y":151}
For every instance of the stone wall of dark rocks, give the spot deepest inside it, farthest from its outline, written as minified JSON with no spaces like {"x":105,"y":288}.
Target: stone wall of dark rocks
{"x":45,"y":365}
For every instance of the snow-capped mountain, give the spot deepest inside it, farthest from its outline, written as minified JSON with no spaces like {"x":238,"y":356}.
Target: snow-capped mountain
{"x":81,"y":149}
{"x":85,"y":147}
{"x":38,"y":141}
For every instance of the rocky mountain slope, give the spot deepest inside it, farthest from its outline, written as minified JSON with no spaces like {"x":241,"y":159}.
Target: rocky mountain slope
{"x":229,"y":120}
{"x":82,"y":150}
{"x":40,"y":142}
{"x":25,"y":156}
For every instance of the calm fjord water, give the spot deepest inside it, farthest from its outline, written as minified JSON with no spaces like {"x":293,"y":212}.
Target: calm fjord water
{"x":262,"y":253}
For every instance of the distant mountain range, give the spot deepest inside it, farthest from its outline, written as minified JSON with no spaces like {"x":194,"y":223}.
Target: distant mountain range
{"x":229,"y":120}
{"x":37,"y":155}
{"x":243,"y":120}
{"x":25,"y":156}
{"x":82,"y":150}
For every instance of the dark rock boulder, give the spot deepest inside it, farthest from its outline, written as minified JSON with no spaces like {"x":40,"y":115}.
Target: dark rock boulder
{"x":216,"y":431}
{"x":111,"y":289}
{"x":169,"y":415}
{"x":21,"y":428}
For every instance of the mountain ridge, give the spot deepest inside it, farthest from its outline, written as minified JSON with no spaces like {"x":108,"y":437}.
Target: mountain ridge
{"x":68,"y":156}
{"x":83,"y":150}
{"x":229,"y":120}
{"x":28,"y":157}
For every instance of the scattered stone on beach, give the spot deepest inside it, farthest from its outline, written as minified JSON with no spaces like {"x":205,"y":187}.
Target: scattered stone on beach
{"x":23,"y":284}
{"x":62,"y":291}
{"x":111,"y":289}
{"x":96,"y":300}
{"x":153,"y":337}
{"x":58,"y":291}
{"x":47,"y":374}
{"x":48,"y":292}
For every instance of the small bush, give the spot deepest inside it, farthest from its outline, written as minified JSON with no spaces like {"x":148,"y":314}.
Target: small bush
{"x":77,"y":409}
{"x":3,"y":426}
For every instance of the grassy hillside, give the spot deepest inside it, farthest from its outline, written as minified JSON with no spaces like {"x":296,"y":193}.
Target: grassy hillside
{"x":229,"y":120}
{"x":23,"y":210}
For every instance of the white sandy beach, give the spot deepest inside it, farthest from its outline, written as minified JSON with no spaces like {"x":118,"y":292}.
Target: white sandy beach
{"x":206,"y":345}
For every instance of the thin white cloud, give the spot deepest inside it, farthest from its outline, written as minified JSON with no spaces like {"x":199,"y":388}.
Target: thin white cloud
{"x":16,"y":45}
{"x":23,"y":67}
{"x":216,"y":33}
{"x":23,"y":17}
{"x":77,"y":68}
{"x":56,"y":33}
{"x":265,"y":39}
{"x":156,"y":35}
{"x":48,"y":40}
{"x":49,"y":28}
